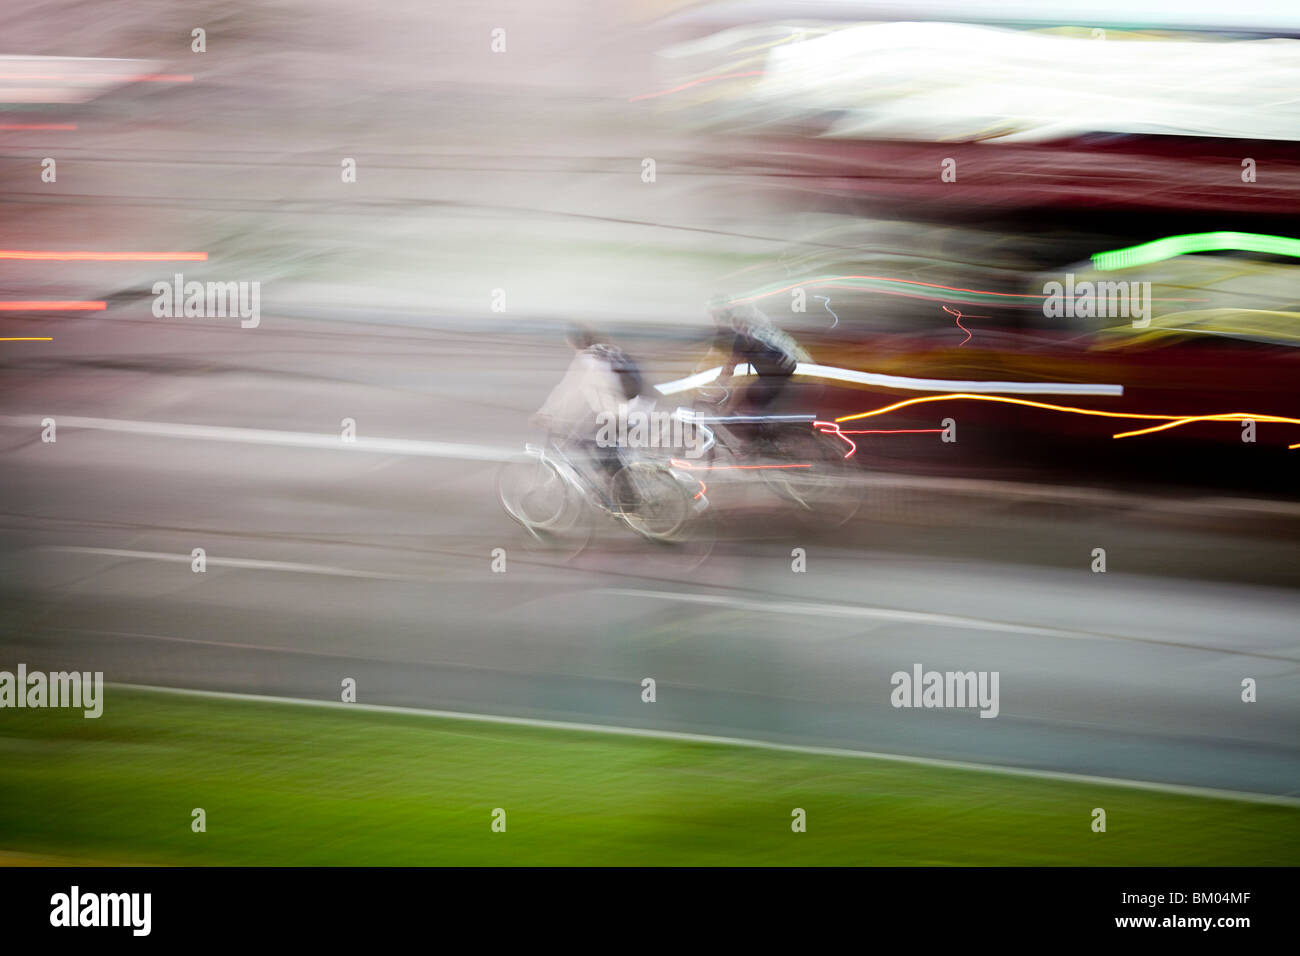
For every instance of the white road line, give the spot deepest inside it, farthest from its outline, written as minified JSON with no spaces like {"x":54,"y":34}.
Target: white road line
{"x":453,"y":450}
{"x":249,"y":563}
{"x":833,"y":373}
{"x":263,"y":436}
{"x":855,"y":611}
{"x":828,"y":609}
{"x":823,"y":609}
{"x":1172,"y":788}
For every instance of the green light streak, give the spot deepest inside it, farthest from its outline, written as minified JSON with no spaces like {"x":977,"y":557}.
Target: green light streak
{"x":1171,"y":246}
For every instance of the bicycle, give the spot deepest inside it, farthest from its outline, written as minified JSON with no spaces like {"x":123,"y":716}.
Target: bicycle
{"x":802,"y":459}
{"x":549,"y":494}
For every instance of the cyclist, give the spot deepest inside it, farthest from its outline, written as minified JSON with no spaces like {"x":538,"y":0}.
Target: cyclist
{"x":601,"y":383}
{"x":745,"y":336}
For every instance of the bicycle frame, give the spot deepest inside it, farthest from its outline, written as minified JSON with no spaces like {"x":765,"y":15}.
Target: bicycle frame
{"x":721,"y":432}
{"x":551,"y":453}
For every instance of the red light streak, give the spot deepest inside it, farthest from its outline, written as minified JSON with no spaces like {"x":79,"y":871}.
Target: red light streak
{"x":60,"y":256}
{"x":52,"y":306}
{"x":687,"y":86}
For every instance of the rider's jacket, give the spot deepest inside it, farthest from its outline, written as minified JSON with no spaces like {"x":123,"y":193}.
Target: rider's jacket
{"x":593,"y":386}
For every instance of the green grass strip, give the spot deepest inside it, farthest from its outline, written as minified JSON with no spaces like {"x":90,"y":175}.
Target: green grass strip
{"x":292,"y":785}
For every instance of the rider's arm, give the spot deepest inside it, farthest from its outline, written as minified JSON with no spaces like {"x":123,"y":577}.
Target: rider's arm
{"x":722,"y":353}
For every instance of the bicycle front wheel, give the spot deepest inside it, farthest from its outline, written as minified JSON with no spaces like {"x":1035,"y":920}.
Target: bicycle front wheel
{"x":651,"y":501}
{"x":533,"y":492}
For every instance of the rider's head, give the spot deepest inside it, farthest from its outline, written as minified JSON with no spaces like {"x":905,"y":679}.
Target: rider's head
{"x":721,"y":310}
{"x":580,"y":337}
{"x":737,"y":315}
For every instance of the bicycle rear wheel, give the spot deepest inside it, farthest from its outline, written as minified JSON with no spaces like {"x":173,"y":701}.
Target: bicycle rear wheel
{"x":826,"y":492}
